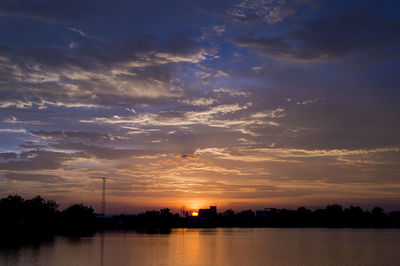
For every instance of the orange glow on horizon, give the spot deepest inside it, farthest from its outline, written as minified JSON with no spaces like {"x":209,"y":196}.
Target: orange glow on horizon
{"x":195,"y":214}
{"x":197,"y":203}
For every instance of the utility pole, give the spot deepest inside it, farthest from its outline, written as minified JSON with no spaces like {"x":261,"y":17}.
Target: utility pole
{"x":103,"y":201}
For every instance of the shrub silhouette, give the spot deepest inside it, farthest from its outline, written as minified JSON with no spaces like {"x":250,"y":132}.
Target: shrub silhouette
{"x":78,"y":218}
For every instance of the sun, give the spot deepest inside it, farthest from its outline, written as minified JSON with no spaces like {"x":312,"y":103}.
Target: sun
{"x":195,"y":214}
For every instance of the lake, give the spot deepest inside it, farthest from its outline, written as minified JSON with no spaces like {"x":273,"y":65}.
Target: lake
{"x":218,"y":246}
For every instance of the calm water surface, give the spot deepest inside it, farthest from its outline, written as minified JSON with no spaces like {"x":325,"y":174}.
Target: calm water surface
{"x":258,"y":246}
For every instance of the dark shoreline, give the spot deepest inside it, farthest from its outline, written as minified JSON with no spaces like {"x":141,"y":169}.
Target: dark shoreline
{"x":37,"y":218}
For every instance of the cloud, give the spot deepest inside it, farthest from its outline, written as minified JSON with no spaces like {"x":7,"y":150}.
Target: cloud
{"x":8,"y":155}
{"x":341,"y":38}
{"x":213,"y":31}
{"x":223,"y":153}
{"x":231,"y":118}
{"x":277,"y":113}
{"x":43,"y":104}
{"x":269,"y":11}
{"x":257,"y":69}
{"x":96,"y":74}
{"x":100,"y":152}
{"x":171,"y":118}
{"x":138,"y":130}
{"x":12,"y":130}
{"x":306,"y":102}
{"x":202,"y":101}
{"x":231,"y":92}
{"x":362,"y":156}
{"x":36,"y":160}
{"x":207,"y":76}
{"x":74,"y":136}
{"x":41,"y":178}
{"x":14,"y":120}
{"x":80,"y":32}
{"x":165,"y":58}
{"x":15,"y":103}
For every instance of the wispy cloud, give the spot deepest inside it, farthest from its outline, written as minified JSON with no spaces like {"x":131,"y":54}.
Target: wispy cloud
{"x":202,"y":101}
{"x":231,"y":92}
{"x":80,"y":32}
{"x":15,"y":120}
{"x":12,"y":130}
{"x":173,"y":118}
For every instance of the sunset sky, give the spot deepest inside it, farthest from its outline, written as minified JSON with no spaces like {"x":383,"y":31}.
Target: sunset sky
{"x":244,"y":104}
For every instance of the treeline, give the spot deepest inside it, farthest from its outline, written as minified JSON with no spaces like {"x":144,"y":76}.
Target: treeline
{"x":150,"y":221}
{"x":37,"y":216}
{"x":332,"y":216}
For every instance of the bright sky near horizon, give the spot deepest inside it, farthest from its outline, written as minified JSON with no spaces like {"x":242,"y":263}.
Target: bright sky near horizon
{"x":242,"y":104}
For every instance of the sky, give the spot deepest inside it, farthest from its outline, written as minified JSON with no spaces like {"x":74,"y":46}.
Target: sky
{"x":243,"y":104}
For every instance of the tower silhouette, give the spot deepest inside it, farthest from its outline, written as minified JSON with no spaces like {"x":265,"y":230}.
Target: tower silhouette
{"x":103,"y":200}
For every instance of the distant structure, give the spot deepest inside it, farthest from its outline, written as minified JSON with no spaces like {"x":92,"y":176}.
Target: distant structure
{"x":202,"y":216}
{"x":208,"y":212}
{"x":103,"y":199}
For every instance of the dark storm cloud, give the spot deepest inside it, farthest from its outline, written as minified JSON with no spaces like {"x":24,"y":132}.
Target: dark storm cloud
{"x":358,"y":37}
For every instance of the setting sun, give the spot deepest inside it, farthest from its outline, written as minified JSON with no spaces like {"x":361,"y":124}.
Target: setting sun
{"x":195,"y":214}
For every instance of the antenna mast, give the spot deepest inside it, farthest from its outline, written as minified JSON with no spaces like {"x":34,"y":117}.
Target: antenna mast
{"x":103,"y":201}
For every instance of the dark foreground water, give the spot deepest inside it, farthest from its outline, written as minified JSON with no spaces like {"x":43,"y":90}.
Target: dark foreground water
{"x":222,"y":246}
